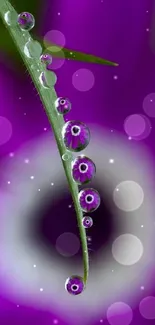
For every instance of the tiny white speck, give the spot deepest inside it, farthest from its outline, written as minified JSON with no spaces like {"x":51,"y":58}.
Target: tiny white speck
{"x":41,"y":289}
{"x":26,"y":161}
{"x":142,"y":287}
{"x":38,"y":189}
{"x":147,"y":29}
{"x":115,"y":77}
{"x":45,"y":129}
{"x":112,"y":130}
{"x":34,"y":265}
{"x":9,"y":182}
{"x":111,"y":161}
{"x":58,"y":13}
{"x":142,"y":226}
{"x":32,"y":177}
{"x":24,"y":113}
{"x":147,"y":11}
{"x":101,"y":320}
{"x":17,"y":305}
{"x":117,"y":189}
{"x":129,"y":138}
{"x":11,"y":154}
{"x":70,"y":206}
{"x":52,"y":184}
{"x":112,"y":271}
{"x":20,"y":98}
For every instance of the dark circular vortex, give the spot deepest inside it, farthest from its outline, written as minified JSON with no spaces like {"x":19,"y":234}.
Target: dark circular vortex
{"x":51,"y":218}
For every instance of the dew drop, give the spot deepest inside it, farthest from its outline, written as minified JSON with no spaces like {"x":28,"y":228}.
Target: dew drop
{"x":46,"y":59}
{"x":87,"y":222}
{"x":48,"y":79}
{"x":32,"y":49}
{"x":26,"y":21}
{"x":75,"y":285}
{"x":10,"y":18}
{"x":67,"y":156}
{"x":89,"y":199}
{"x":62,"y":105}
{"x":76,"y":135}
{"x":83,"y":169}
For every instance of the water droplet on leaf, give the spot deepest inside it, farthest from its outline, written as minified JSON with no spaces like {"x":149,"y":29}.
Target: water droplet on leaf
{"x":62,"y":105}
{"x":83,"y":169}
{"x":89,"y":200}
{"x":48,"y":79}
{"x":10,"y":18}
{"x":46,"y":59}
{"x":32,"y":49}
{"x":87,"y":222}
{"x":74,"y":285}
{"x":67,"y":156}
{"x":76,"y":135}
{"x":26,"y":21}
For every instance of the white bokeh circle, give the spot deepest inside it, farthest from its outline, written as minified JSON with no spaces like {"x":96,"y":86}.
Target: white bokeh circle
{"x":128,"y":195}
{"x":147,"y":307}
{"x":127,"y":249}
{"x":54,"y":37}
{"x":83,"y":79}
{"x":119,"y":313}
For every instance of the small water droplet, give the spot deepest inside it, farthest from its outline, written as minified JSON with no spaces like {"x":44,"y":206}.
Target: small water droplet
{"x":46,"y":59}
{"x":48,"y":79}
{"x":26,"y":21}
{"x":76,"y":135}
{"x":67,"y":156}
{"x":10,"y":18}
{"x":32,"y":49}
{"x":87,"y":222}
{"x":89,"y":199}
{"x":83,"y":170}
{"x":62,"y":105}
{"x":75,"y":285}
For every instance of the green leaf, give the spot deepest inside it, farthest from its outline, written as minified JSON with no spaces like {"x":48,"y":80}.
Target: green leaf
{"x":48,"y":96}
{"x":79,"y":56}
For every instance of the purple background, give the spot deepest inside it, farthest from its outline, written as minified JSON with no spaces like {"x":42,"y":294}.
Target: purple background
{"x":120,"y":31}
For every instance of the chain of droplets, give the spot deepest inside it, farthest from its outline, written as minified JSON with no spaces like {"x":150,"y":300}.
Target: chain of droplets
{"x":76,"y":137}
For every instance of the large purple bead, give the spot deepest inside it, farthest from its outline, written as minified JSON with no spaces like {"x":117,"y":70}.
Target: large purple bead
{"x":26,"y":21}
{"x":76,"y":135}
{"x":74,"y":285}
{"x":83,"y":170}
{"x":89,"y":200}
{"x":62,"y":105}
{"x":87,"y":222}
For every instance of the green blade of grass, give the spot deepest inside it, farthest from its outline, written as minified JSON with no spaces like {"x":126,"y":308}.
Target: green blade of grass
{"x":47,"y":97}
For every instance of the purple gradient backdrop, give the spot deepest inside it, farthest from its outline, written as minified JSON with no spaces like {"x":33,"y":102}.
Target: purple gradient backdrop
{"x":114,"y":30}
